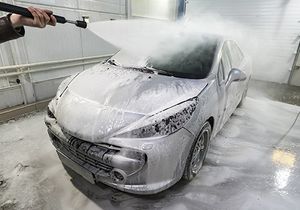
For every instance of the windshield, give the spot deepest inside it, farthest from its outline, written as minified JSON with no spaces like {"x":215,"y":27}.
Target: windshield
{"x":187,"y":58}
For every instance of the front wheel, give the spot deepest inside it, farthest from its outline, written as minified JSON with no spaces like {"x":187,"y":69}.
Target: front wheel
{"x":198,"y":153}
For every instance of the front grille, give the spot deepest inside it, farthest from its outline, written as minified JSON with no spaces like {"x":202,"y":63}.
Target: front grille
{"x":87,"y":152}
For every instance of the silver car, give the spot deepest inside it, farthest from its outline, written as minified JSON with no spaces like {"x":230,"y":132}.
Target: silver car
{"x":142,"y":124}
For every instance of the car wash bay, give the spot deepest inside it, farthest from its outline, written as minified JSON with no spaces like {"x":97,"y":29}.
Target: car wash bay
{"x":253,"y":163}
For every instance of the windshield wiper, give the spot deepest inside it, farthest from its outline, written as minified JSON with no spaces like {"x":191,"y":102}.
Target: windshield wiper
{"x":163,"y":72}
{"x":152,"y":70}
{"x":160,"y":71}
{"x":142,"y":69}
{"x":145,"y":69}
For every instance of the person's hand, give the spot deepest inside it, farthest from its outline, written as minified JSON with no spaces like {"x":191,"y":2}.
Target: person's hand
{"x":41,"y":18}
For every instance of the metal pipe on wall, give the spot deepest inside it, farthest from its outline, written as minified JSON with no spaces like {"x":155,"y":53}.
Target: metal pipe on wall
{"x":25,"y":71}
{"x":14,"y":67}
{"x":47,"y":69}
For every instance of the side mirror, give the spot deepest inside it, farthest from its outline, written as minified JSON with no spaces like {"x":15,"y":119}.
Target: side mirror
{"x":235,"y":75}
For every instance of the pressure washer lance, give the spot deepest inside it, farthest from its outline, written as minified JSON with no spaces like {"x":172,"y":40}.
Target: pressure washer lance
{"x":25,"y":12}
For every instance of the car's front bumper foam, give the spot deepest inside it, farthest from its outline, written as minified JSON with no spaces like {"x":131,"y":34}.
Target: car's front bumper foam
{"x":145,"y":170}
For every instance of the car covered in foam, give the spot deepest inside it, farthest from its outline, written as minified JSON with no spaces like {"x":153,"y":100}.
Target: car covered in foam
{"x":142,"y":123}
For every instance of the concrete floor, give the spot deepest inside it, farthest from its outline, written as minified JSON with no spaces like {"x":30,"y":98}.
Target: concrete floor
{"x":253,"y":163}
{"x":274,"y":91}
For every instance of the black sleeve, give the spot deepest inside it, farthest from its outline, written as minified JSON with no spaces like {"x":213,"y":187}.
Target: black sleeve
{"x":7,"y":32}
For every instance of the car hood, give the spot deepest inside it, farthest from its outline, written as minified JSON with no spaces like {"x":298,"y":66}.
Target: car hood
{"x":106,"y":98}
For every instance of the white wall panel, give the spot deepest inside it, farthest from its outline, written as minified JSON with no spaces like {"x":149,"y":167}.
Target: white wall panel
{"x":109,"y":6}
{"x":10,"y":97}
{"x":57,"y":3}
{"x":45,"y":89}
{"x":67,"y":41}
{"x":53,"y":74}
{"x":158,"y":9}
{"x":54,"y":43}
{"x":275,"y":22}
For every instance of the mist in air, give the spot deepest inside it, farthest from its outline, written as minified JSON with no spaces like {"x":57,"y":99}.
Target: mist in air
{"x":142,"y":37}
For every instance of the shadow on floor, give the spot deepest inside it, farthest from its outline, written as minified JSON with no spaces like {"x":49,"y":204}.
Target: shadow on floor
{"x":100,"y":194}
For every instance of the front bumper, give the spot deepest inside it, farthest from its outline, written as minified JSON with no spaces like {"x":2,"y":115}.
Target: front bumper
{"x":131,"y":165}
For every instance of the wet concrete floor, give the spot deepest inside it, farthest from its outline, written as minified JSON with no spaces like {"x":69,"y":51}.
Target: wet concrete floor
{"x":274,"y":91}
{"x":253,"y":163}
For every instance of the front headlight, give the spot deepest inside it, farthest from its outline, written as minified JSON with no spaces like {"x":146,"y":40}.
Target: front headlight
{"x":163,"y":123}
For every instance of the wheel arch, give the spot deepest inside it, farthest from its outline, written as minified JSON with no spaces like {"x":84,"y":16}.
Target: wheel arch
{"x":211,"y":121}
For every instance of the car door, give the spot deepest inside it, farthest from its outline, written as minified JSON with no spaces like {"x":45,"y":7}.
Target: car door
{"x":234,"y":90}
{"x":223,"y":71}
{"x":238,"y":61}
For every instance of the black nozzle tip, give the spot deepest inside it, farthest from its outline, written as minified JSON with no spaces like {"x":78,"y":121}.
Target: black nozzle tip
{"x":81,"y":24}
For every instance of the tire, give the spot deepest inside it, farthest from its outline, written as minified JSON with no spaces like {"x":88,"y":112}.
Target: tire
{"x":198,"y":153}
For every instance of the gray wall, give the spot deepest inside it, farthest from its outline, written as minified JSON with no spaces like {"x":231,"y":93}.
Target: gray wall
{"x":157,"y":9}
{"x":55,"y":43}
{"x":66,"y":41}
{"x":275,"y":22}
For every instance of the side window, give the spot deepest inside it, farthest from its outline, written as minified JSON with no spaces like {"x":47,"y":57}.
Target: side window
{"x":236,"y":54}
{"x":226,"y":60}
